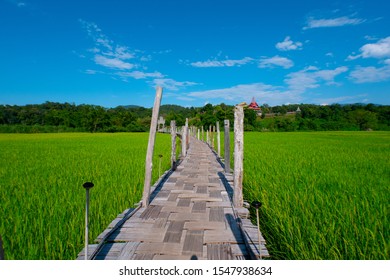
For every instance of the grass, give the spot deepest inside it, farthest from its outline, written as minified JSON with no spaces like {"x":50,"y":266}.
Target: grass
{"x":325,"y":195}
{"x":41,"y":194}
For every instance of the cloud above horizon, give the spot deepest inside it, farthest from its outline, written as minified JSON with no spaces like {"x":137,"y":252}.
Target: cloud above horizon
{"x":288,"y":45}
{"x":106,"y":52}
{"x":237,"y":93}
{"x":222,"y":63}
{"x":296,"y":84}
{"x":332,"y":22}
{"x":379,"y":50}
{"x":311,"y":77}
{"x":276,"y":60}
{"x":113,"y":56}
{"x":172,"y":84}
{"x":370,"y":74}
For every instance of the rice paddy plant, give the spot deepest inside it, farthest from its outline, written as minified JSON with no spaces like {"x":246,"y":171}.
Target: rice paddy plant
{"x":42,"y":200}
{"x":325,"y":195}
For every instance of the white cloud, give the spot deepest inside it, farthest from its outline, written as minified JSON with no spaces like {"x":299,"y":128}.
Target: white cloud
{"x":92,"y":29}
{"x":341,"y":99}
{"x":332,"y":22}
{"x":263,"y":93}
{"x":207,"y":63}
{"x":370,"y":74}
{"x":122,"y":52}
{"x":146,"y":58}
{"x":311,"y":77}
{"x":296,"y":84}
{"x":288,"y":45}
{"x":108,"y":54}
{"x":112,"y":62}
{"x":104,"y":42}
{"x":239,"y":92}
{"x":276,"y":61}
{"x":222,"y":63}
{"x":140,"y":75}
{"x":353,"y":56}
{"x":381,"y":49}
{"x":172,"y":84}
{"x":92,"y":72}
{"x":370,"y":38}
{"x":329,"y":75}
{"x":94,"y":50}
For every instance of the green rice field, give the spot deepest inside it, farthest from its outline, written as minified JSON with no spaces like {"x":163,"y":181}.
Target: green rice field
{"x":41,"y":195}
{"x":325,"y":195}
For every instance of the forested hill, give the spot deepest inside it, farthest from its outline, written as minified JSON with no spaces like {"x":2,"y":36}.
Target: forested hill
{"x":64,"y":117}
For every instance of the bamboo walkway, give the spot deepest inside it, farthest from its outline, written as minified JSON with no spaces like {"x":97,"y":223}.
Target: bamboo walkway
{"x":190,"y":216}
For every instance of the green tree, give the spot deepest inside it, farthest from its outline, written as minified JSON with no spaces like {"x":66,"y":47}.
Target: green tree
{"x":364,"y":119}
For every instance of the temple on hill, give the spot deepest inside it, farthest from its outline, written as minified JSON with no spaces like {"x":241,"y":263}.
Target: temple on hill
{"x":254,"y":106}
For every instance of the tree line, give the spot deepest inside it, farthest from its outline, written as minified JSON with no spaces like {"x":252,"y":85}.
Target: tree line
{"x":67,"y":117}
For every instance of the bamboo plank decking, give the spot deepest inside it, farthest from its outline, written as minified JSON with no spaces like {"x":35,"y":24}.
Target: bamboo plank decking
{"x":189,"y":217}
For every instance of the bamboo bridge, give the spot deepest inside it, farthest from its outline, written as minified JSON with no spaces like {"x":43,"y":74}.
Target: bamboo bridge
{"x":194,"y":211}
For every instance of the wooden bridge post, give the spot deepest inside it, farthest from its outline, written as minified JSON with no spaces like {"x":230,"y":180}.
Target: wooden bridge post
{"x":218,"y":140}
{"x":173,"y":142}
{"x":149,"y":153}
{"x":202,"y":134}
{"x":238,"y":156}
{"x":213,"y":133}
{"x":183,"y":141}
{"x":210,"y":134}
{"x":227,"y":146}
{"x":187,"y":135}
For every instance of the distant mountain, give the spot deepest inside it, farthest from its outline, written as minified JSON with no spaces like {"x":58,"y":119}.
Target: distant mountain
{"x":131,"y":106}
{"x":171,"y":107}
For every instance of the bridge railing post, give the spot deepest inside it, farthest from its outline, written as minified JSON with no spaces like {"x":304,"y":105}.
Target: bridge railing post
{"x":187,"y":135}
{"x":183,"y":141}
{"x":210,"y":134}
{"x":173,"y":145}
{"x":238,"y":156}
{"x":213,"y":137}
{"x":218,"y":140}
{"x":227,"y":145}
{"x":149,"y":153}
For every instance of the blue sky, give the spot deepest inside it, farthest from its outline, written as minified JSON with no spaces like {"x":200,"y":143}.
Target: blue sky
{"x":116,"y":52}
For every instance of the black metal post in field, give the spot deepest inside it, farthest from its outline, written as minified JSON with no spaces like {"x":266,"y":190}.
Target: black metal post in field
{"x":87,"y":186}
{"x":2,"y":257}
{"x":159,"y":165}
{"x":257,"y":205}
